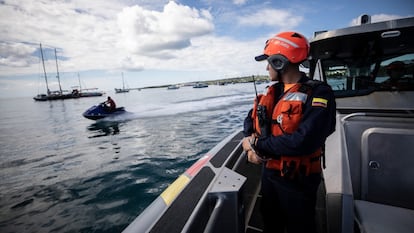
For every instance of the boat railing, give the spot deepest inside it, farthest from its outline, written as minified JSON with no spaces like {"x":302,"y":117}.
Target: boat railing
{"x":213,"y":195}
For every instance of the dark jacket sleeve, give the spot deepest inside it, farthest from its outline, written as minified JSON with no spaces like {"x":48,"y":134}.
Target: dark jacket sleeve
{"x":248,"y":124}
{"x":317,"y":124}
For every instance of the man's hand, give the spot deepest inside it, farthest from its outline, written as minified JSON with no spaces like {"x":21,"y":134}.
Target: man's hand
{"x":246,"y":143}
{"x":253,"y":157}
{"x":251,"y":153}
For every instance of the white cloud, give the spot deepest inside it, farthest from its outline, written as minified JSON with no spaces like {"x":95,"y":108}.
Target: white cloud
{"x":153,"y":36}
{"x":222,"y":55}
{"x":82,"y":34}
{"x":15,"y":55}
{"x":119,"y":38}
{"x":271,"y":17}
{"x":150,"y":33}
{"x":239,"y":2}
{"x":128,"y":63}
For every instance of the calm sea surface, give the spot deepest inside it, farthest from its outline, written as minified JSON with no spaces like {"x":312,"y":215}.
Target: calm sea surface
{"x":60,"y":172}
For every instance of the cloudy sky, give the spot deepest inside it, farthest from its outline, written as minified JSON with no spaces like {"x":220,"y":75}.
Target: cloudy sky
{"x":154,"y":42}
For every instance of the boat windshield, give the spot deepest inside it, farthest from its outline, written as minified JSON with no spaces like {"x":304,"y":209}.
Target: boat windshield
{"x":350,"y":77}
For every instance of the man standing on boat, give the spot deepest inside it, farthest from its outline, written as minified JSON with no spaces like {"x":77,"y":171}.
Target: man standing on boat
{"x":110,"y":104}
{"x":286,"y":131}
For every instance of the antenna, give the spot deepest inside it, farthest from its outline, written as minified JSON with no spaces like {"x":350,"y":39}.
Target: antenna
{"x":255,"y":88}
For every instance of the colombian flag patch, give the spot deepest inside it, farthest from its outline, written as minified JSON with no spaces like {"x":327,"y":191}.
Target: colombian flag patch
{"x":319,"y":102}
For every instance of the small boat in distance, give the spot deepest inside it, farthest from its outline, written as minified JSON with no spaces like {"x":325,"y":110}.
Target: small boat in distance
{"x":40,"y":97}
{"x":173,"y":87}
{"x":119,"y":90}
{"x":100,"y":111}
{"x":123,"y":89}
{"x":88,"y":92}
{"x":200,"y":85}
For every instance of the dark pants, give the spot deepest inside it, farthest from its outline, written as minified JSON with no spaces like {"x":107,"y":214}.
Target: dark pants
{"x":288,"y":203}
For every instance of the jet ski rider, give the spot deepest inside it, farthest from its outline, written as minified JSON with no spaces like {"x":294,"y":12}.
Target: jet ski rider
{"x":110,"y":104}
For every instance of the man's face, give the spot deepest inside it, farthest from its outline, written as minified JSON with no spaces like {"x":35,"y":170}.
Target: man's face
{"x":272,"y":73}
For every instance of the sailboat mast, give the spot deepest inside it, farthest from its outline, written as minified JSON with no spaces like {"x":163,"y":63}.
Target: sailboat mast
{"x":123,"y":83}
{"x":57,"y":73}
{"x":80,"y":87}
{"x":44,"y":69}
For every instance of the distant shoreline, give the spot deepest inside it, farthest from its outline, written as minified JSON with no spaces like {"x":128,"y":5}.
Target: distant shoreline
{"x":246,"y":79}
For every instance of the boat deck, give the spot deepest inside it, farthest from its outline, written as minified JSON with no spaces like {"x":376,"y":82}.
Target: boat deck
{"x":367,"y":184}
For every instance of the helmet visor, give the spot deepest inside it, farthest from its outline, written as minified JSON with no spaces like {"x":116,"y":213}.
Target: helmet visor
{"x":261,"y":57}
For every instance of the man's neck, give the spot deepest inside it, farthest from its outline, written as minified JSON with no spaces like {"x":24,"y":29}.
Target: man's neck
{"x":291,"y":76}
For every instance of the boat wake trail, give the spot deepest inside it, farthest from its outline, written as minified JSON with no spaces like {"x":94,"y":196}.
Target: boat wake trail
{"x":182,"y":107}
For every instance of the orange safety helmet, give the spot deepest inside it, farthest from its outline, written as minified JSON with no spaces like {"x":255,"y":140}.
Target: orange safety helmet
{"x":292,"y":45}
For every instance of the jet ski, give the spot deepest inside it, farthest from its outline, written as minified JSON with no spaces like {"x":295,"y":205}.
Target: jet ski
{"x":100,"y":111}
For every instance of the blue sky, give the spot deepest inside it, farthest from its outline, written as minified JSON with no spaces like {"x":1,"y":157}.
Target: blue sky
{"x":156,"y":42}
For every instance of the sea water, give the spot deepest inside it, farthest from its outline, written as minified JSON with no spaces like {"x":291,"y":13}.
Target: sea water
{"x":60,"y":172}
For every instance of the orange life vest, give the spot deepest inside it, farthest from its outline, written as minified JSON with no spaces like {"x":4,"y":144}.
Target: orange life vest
{"x":285,"y":117}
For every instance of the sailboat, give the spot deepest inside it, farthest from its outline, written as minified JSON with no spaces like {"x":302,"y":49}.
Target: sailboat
{"x":53,"y":95}
{"x":88,"y":92}
{"x":43,"y":97}
{"x":123,"y":89}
